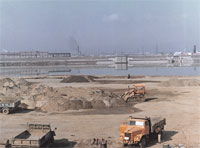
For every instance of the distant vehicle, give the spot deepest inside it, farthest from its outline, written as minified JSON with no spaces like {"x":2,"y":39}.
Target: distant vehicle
{"x":140,"y":130}
{"x":36,"y":135}
{"x":138,"y":91}
{"x":9,"y":106}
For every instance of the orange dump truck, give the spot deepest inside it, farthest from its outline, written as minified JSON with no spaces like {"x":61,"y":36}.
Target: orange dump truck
{"x":140,"y":130}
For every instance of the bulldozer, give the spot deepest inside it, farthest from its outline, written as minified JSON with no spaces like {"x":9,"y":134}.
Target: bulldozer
{"x":137,"y":92}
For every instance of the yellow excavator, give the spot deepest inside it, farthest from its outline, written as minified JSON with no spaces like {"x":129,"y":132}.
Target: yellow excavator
{"x":137,"y":92}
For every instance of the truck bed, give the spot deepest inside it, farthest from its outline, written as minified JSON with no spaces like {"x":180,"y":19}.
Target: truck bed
{"x":9,"y":103}
{"x":31,"y":135}
{"x":35,"y":136}
{"x":30,"y":139}
{"x":157,"y":122}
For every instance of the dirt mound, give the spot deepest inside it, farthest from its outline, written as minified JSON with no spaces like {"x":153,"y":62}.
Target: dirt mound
{"x":42,"y":90}
{"x":87,"y":104}
{"x":69,"y":104}
{"x":51,"y":106}
{"x":74,"y":104}
{"x":98,"y":104}
{"x":92,"y":78}
{"x":2,"y":81}
{"x":50,"y":99}
{"x":7,"y":82}
{"x":78,"y":79}
{"x":181,"y":82}
{"x":14,"y":88}
{"x":23,"y":82}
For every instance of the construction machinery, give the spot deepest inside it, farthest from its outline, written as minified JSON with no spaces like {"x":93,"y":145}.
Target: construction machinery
{"x":138,"y":91}
{"x":8,"y":106}
{"x":36,"y":135}
{"x":141,"y":130}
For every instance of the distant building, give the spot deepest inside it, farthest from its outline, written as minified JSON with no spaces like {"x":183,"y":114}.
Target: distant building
{"x":121,"y":60}
{"x":59,"y":54}
{"x":33,"y":54}
{"x":177,"y":53}
{"x":182,"y":54}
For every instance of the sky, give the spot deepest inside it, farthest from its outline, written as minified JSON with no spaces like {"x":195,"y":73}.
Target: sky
{"x":99,"y":26}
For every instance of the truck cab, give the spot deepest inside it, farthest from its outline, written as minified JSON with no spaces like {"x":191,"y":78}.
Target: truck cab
{"x":139,"y":130}
{"x":133,"y":131}
{"x":139,"y":89}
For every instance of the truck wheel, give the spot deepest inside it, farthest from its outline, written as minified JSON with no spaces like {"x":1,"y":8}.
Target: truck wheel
{"x":52,"y":139}
{"x":142,"y":143}
{"x":5,"y":111}
{"x":125,"y":144}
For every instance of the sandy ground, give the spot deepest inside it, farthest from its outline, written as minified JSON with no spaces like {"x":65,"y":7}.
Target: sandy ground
{"x":180,"y":105}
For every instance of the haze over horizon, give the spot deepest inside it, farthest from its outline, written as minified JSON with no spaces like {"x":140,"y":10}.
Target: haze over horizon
{"x":100,"y":26}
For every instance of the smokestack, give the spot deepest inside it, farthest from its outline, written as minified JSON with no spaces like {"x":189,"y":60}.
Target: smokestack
{"x":73,"y":45}
{"x":78,"y":50}
{"x":195,"y":49}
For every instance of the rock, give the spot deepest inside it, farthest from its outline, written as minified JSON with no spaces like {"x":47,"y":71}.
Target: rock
{"x":107,"y":103}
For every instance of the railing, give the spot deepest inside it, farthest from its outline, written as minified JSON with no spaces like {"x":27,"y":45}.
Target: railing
{"x":20,"y":142}
{"x":39,"y":126}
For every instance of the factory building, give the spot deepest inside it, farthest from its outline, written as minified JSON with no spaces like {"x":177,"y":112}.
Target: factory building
{"x":32,"y":54}
{"x":59,"y":54}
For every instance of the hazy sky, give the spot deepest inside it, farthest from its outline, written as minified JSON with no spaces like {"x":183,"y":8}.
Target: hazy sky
{"x":99,"y":25}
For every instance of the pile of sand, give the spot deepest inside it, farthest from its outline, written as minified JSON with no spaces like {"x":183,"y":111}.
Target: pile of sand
{"x":7,"y":82}
{"x":98,"y":104}
{"x":78,"y":79}
{"x":50,"y":99}
{"x":98,"y":101}
{"x":68,"y":104}
{"x":8,"y":87}
{"x":23,"y":82}
{"x":75,"y":104}
{"x":181,"y":82}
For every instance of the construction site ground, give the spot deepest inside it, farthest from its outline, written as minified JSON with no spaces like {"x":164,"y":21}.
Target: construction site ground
{"x":175,"y":98}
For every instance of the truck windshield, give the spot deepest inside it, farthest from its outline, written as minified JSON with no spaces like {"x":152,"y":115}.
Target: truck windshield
{"x":137,"y":123}
{"x":139,"y":88}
